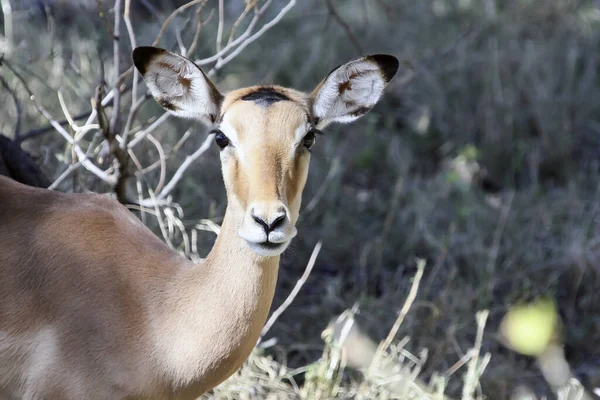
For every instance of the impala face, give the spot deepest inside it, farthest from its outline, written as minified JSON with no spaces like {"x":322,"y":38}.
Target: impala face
{"x":265,"y":136}
{"x":265,"y":133}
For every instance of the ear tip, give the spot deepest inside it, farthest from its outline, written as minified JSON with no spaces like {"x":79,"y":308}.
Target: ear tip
{"x":142,"y":56}
{"x":389,"y":64}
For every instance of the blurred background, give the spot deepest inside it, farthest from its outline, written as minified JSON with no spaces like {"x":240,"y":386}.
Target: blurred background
{"x":483,"y":158}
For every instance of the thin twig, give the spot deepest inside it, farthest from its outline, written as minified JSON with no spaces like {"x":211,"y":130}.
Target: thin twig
{"x":241,"y":39}
{"x":80,"y":131}
{"x":249,"y":6}
{"x":114,"y":119}
{"x":140,"y":136}
{"x":294,"y":292}
{"x":78,"y":151}
{"x":17,"y":107}
{"x":173,"y":15}
{"x":162,"y":161}
{"x":8,"y":23}
{"x":344,"y":26}
{"x":183,"y":167}
{"x":498,"y":236}
{"x":179,"y":40}
{"x":199,"y":27}
{"x":474,"y":367}
{"x":389,"y":219}
{"x":412,"y":294}
{"x":133,"y":108}
{"x":164,"y":26}
{"x":105,"y":101}
{"x":65,"y":110}
{"x":132,"y":113}
{"x":259,"y":33}
{"x":40,"y":131}
{"x":120,"y":156}
{"x":334,"y":170}
{"x":220,"y":26}
{"x":90,"y":115}
{"x":64,"y":175}
{"x":174,"y":150}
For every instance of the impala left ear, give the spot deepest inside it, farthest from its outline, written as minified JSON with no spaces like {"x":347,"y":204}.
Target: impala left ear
{"x":177,"y":84}
{"x":352,"y":90}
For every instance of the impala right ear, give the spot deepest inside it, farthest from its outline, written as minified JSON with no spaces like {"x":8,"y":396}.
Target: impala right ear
{"x":177,"y":84}
{"x":352,"y":90}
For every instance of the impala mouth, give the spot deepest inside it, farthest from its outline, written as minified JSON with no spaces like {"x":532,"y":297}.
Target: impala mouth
{"x":270,"y":245}
{"x":269,"y":248}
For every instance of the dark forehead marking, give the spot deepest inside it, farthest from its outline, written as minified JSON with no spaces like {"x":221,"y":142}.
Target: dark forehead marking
{"x":265,"y":96}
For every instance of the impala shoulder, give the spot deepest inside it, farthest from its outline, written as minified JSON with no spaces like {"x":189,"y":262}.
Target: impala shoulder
{"x":91,"y":214}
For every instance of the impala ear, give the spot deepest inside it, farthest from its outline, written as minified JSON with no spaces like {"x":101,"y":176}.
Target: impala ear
{"x":177,"y":84}
{"x":352,"y":89}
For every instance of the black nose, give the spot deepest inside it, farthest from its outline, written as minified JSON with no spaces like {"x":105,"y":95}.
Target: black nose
{"x":269,"y":227}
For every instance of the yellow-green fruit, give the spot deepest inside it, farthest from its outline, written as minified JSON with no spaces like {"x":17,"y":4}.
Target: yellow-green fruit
{"x":529,"y":328}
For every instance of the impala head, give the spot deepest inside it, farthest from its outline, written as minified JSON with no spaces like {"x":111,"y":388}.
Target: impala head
{"x":265,"y":133}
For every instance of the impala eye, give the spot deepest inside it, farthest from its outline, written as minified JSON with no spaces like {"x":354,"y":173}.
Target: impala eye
{"x":220,"y":139}
{"x":310,"y":138}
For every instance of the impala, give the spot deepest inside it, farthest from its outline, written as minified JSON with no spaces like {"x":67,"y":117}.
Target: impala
{"x":94,"y":306}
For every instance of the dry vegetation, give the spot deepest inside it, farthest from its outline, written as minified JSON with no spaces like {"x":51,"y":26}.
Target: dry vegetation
{"x":483,"y":159}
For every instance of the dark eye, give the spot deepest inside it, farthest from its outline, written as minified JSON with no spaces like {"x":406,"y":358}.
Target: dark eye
{"x":220,"y":138}
{"x":309,"y":139}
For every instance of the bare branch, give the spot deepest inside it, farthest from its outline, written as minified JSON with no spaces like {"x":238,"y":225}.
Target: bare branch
{"x":474,"y":369}
{"x":8,"y":23}
{"x":174,"y":150}
{"x":80,"y":154}
{"x":114,"y":119}
{"x":148,"y":130}
{"x":498,"y":237}
{"x":412,"y":294}
{"x":199,"y":28}
{"x":132,"y":113}
{"x":105,"y":101}
{"x":65,"y":111}
{"x":261,"y":31}
{"x":249,"y":6}
{"x":162,"y":161}
{"x":333,"y":12}
{"x":43,"y":130}
{"x":184,"y":166}
{"x":173,"y":15}
{"x":334,"y":170}
{"x":64,"y":175}
{"x":134,"y":102}
{"x":220,"y":26}
{"x":120,"y":156}
{"x":90,"y":115}
{"x":17,"y":107}
{"x":244,"y":36}
{"x":294,"y":292}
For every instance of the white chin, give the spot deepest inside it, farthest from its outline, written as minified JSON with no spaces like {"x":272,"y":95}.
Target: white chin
{"x":270,"y":250}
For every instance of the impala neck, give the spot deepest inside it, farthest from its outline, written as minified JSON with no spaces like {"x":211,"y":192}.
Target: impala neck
{"x":239,"y":276}
{"x":214,"y":312}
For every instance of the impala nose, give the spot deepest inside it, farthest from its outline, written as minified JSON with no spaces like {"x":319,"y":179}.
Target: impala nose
{"x":269,"y":222}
